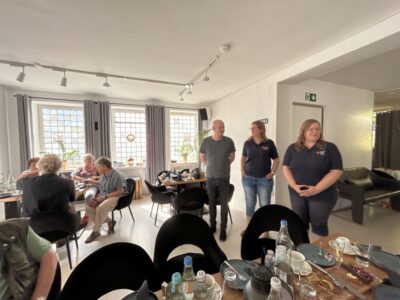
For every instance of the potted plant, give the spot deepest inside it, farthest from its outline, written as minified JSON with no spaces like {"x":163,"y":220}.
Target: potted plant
{"x":66,"y":155}
{"x":186,"y":148}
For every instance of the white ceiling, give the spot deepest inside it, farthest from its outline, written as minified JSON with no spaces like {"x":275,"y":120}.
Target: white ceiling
{"x":172,"y":41}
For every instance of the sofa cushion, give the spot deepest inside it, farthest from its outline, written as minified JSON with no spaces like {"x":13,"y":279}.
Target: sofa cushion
{"x":366,"y":182}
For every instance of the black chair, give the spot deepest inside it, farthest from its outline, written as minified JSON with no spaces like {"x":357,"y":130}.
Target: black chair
{"x":190,"y":200}
{"x":115,"y":266}
{"x":125,"y":201}
{"x":268,"y":218}
{"x":160,"y":176}
{"x":231,"y":190}
{"x":54,"y":226}
{"x":160,"y":196}
{"x":186,"y":229}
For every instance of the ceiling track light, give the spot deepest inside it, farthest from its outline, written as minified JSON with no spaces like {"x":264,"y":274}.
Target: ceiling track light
{"x":106,"y":84}
{"x":64,"y":81}
{"x":99,"y":74}
{"x":21,"y":75}
{"x":204,"y":73}
{"x":181,"y":99}
{"x":206,"y":78}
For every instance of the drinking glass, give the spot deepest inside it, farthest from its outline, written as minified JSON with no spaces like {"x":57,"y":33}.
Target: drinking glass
{"x":229,"y":283}
{"x":362,"y":255}
{"x":339,"y":249}
{"x":307,"y":291}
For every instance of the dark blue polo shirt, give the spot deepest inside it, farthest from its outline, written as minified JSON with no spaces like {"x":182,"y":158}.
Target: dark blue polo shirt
{"x":309,"y":166}
{"x":258,"y":157}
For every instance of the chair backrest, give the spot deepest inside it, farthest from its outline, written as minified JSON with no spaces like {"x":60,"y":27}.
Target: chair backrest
{"x":268,"y":218}
{"x":186,"y":229}
{"x":160,"y":175}
{"x":115,"y":266}
{"x":190,"y":199}
{"x":127,"y":199}
{"x":54,"y":225}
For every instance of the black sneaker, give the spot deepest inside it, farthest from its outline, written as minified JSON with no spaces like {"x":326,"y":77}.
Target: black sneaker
{"x":222,"y":235}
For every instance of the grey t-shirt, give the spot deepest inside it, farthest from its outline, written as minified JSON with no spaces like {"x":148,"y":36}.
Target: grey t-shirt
{"x":217,"y":156}
{"x":111,"y":182}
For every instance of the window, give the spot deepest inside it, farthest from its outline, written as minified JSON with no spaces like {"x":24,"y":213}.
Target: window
{"x":59,"y":122}
{"x":129,"y":135}
{"x":183,"y":127}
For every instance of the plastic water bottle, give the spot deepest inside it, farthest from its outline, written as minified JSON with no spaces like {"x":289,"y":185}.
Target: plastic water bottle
{"x":174,"y":291}
{"x":275,"y":293}
{"x":283,"y":251}
{"x":200,"y":291}
{"x":188,"y":277}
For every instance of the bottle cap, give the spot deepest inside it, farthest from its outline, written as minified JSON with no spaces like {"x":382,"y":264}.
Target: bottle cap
{"x":187,"y":261}
{"x":176,"y":278}
{"x":276,"y":283}
{"x":201,"y":275}
{"x":283,"y":222}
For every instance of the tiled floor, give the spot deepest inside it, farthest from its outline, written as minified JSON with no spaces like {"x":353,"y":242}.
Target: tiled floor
{"x":381,"y":226}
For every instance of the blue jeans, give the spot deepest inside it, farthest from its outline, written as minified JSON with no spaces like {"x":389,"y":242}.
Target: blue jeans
{"x":256,"y":186}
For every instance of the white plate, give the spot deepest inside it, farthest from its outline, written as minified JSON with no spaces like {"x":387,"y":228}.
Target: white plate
{"x":351,"y":252}
{"x":307,"y":270}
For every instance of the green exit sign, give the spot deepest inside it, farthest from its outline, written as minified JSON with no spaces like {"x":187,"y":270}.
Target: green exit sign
{"x":311,"y":97}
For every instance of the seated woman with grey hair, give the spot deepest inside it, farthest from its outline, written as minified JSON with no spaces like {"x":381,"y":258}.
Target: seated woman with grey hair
{"x":112,"y":185}
{"x":48,"y":191}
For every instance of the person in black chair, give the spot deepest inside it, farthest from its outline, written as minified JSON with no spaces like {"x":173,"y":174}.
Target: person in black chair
{"x":48,"y":191}
{"x":112,"y":186}
{"x":27,"y":262}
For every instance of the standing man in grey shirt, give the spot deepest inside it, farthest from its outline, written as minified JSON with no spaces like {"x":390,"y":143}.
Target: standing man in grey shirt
{"x":218,"y":152}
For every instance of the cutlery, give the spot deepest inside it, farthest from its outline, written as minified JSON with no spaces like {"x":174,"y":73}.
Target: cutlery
{"x":241,"y":277}
{"x":339,"y":282}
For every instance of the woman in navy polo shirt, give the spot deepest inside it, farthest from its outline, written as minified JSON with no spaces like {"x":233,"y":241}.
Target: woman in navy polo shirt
{"x":255,"y":166}
{"x":311,"y":167}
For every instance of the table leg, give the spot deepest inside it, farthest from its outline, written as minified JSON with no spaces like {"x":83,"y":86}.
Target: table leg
{"x":11,"y":209}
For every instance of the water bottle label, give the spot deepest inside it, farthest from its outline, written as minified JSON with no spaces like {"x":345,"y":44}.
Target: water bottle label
{"x":280,"y":252}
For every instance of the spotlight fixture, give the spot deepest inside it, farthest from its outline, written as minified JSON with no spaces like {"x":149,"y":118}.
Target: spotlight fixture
{"x":64,"y":81}
{"x":21,"y":75}
{"x":203,"y":74}
{"x":206,"y":78}
{"x":106,"y":84}
{"x":181,"y":99}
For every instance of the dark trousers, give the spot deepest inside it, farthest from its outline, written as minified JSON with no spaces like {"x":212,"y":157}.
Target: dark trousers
{"x":217,"y":189}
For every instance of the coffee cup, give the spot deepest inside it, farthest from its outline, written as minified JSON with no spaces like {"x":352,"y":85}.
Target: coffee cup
{"x":297,"y":261}
{"x":346,"y":242}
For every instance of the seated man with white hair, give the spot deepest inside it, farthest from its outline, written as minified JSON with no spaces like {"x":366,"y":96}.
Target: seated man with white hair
{"x":48,"y":191}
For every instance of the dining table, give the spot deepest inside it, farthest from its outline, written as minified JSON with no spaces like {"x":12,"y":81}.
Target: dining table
{"x":180,"y":183}
{"x":317,"y":278}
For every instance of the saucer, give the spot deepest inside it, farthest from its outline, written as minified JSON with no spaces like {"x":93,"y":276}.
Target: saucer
{"x":307,"y":270}
{"x":348,"y":252}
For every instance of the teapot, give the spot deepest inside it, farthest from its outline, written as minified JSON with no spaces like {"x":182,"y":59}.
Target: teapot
{"x":257,"y":288}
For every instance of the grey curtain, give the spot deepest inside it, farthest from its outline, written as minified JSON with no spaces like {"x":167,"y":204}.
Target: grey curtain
{"x":97,"y":128}
{"x":155,"y":131}
{"x":24,"y":107}
{"x":387,"y":141}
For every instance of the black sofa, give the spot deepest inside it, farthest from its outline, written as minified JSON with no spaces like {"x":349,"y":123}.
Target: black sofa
{"x":361,"y":186}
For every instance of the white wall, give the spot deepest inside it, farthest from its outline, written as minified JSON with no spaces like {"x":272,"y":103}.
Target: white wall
{"x":347,"y":122}
{"x":238,"y":111}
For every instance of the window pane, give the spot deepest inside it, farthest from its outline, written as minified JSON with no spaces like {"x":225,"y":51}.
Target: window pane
{"x":183,"y":136}
{"x":129,"y":135}
{"x":61,"y":123}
